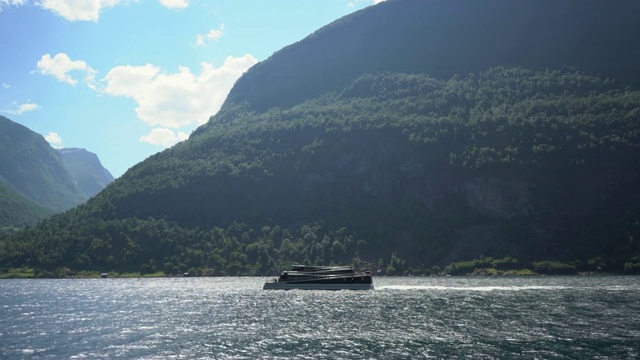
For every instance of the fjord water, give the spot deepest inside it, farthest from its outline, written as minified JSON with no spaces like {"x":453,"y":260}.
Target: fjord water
{"x":403,"y":318}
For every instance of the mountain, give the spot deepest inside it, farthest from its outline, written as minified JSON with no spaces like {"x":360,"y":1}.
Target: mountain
{"x":87,"y":171}
{"x":412,"y":133}
{"x":444,"y":38}
{"x":34,"y":169}
{"x":16,"y":211}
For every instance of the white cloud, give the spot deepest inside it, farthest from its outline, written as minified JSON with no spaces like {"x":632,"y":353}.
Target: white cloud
{"x":164,"y":137}
{"x":7,"y":3}
{"x":174,"y":100}
{"x":53,"y":138}
{"x":212,"y":35}
{"x":22,"y":108}
{"x":358,"y":2}
{"x":5,"y":85}
{"x":167,"y":100}
{"x":78,"y":10}
{"x":175,"y":4}
{"x":12,"y":2}
{"x":61,"y":65}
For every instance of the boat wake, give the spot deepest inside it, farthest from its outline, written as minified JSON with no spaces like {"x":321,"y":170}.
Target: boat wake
{"x":467,"y":288}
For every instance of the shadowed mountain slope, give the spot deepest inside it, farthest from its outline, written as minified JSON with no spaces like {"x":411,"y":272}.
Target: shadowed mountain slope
{"x":443,"y":38}
{"x":409,"y":134}
{"x":17,"y":211}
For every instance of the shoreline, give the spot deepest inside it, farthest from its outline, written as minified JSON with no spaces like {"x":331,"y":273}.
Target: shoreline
{"x":114,"y":275}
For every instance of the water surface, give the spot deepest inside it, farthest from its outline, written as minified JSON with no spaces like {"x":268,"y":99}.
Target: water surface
{"x":403,"y":318}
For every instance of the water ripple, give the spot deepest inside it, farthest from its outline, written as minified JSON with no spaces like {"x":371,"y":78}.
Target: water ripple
{"x":404,"y":318}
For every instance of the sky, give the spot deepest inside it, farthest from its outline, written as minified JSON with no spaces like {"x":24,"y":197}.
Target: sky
{"x":125,"y":79}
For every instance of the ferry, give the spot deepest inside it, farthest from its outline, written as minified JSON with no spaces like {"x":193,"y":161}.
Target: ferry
{"x":307,"y":277}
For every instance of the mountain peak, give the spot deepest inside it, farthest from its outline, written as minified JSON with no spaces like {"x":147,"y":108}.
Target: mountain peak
{"x":443,"y":38}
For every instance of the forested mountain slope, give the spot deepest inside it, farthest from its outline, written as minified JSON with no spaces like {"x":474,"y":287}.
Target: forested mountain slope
{"x":16,"y":211}
{"x":34,"y":169}
{"x":468,"y":128}
{"x":444,"y":38}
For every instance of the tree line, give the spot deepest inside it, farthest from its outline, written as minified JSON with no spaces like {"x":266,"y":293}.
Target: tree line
{"x":340,"y":178}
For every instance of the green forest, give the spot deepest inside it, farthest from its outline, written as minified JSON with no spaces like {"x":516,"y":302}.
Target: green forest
{"x":33,"y":180}
{"x":402,"y":173}
{"x":16,"y":211}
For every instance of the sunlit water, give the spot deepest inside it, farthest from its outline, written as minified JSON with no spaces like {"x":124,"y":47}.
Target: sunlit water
{"x":403,"y":318}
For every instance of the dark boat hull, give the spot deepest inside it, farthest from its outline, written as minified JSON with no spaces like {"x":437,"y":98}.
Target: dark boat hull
{"x":305,"y":277}
{"x":317,"y":286}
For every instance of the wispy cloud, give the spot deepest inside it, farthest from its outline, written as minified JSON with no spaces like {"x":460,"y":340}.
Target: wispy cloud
{"x":175,"y":4}
{"x":212,"y":35}
{"x":78,"y":10}
{"x":7,"y":3}
{"x":87,"y":10}
{"x":20,"y":109}
{"x":60,"y":66}
{"x":54,"y":139}
{"x":5,"y":85}
{"x":365,"y":2}
{"x":24,"y":108}
{"x":164,"y":137}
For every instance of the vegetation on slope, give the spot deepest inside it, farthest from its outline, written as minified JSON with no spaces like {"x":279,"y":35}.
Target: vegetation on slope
{"x":34,"y":169}
{"x":16,"y":211}
{"x":411,"y":134}
{"x":394,"y":169}
{"x":444,"y":38}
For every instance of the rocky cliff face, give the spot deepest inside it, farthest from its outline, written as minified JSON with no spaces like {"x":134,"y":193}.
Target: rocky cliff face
{"x":499,"y":198}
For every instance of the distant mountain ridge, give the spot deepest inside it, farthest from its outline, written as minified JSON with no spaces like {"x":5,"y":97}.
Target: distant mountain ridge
{"x":39,"y":180}
{"x":86,"y":169}
{"x":35,"y":169}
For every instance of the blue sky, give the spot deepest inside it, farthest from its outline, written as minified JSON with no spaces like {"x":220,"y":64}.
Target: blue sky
{"x":128,"y":78}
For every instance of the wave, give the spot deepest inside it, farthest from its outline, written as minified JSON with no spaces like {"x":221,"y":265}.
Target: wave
{"x":467,"y":288}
